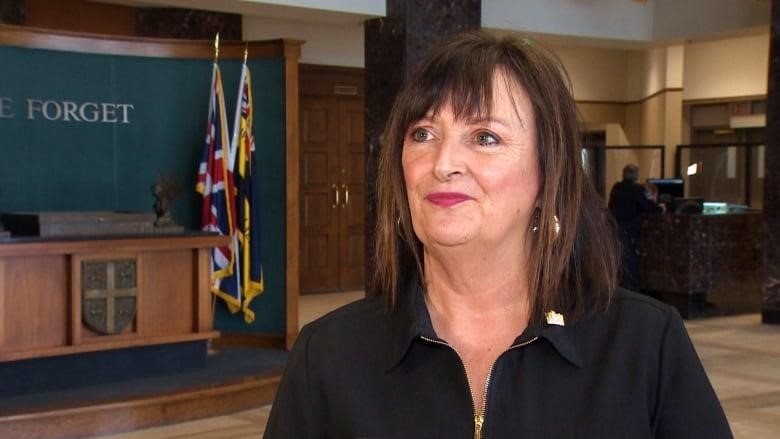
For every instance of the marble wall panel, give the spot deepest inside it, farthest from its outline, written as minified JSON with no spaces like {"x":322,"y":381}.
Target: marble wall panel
{"x":394,"y":46}
{"x":771,"y":284}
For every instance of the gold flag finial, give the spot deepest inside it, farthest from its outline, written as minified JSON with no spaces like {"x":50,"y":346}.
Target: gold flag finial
{"x":246,"y":51}
{"x":216,"y":48}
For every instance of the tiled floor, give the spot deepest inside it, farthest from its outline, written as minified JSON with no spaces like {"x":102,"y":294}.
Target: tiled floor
{"x":742,"y":358}
{"x":251,"y":423}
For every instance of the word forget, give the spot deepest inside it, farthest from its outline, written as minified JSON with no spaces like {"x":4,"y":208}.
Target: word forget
{"x":69,"y":111}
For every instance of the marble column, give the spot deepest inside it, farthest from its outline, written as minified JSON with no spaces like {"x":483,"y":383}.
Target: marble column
{"x":394,"y":46}
{"x":186,"y":23}
{"x":771,"y":305}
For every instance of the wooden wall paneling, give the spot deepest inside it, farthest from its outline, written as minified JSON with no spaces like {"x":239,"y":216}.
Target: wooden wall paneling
{"x":86,"y":246}
{"x":288,"y":49}
{"x":74,"y":296}
{"x":332,"y":80}
{"x":36,"y":306}
{"x":291,"y":55}
{"x":41,"y":294}
{"x":21,"y":36}
{"x":202,"y":279}
{"x":143,"y":296}
{"x":172,"y":287}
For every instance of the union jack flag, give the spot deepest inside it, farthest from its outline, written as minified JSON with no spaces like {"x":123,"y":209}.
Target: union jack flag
{"x":215,"y":183}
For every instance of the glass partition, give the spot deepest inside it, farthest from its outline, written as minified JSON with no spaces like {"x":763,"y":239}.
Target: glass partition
{"x":726,"y":173}
{"x":605,"y":164}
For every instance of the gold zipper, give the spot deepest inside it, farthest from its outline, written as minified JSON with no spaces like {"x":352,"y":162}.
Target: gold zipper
{"x":479,"y":418}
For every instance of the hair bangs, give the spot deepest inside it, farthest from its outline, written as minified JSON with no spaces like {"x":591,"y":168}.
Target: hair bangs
{"x":465,"y":87}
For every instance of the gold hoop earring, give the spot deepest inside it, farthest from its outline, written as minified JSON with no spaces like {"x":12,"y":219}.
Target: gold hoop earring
{"x":535,"y":219}
{"x":535,"y":222}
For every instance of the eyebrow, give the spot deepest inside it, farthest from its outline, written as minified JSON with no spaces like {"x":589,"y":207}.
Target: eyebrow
{"x":499,"y":121}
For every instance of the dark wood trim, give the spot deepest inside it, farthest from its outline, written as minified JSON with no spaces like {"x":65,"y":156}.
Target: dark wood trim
{"x":323,"y":80}
{"x":36,"y":246}
{"x":644,"y":99}
{"x":726,"y":100}
{"x":129,"y":415}
{"x":35,"y":38}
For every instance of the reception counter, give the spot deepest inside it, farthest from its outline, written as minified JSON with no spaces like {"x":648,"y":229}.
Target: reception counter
{"x":704,"y":264}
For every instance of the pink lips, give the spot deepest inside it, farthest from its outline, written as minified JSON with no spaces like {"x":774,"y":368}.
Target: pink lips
{"x":447,"y":199}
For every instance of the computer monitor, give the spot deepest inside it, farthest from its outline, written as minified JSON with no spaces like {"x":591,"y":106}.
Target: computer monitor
{"x":668,"y":188}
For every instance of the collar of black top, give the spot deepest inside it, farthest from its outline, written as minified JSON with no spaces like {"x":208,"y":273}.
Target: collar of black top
{"x":410,"y":321}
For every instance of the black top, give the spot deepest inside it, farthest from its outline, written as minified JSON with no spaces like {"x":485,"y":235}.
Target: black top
{"x":630,"y":371}
{"x":629,"y":205}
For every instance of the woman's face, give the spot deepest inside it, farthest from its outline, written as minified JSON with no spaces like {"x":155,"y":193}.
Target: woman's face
{"x":474,"y":181}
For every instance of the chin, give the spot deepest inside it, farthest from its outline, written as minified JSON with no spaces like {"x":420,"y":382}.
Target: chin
{"x":449,"y":238}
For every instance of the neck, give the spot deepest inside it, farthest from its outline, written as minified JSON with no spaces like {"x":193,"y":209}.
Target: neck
{"x":473,"y":283}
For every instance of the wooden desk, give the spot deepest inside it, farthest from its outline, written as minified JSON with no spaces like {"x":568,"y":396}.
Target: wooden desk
{"x":41,"y":293}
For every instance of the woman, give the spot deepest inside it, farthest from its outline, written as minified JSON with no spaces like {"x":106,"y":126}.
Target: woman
{"x":498,"y":315}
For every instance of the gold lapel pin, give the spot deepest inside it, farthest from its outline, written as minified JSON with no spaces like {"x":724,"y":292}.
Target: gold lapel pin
{"x":554,"y":318}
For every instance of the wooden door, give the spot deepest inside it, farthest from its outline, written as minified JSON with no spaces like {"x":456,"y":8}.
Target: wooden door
{"x":332,"y":193}
{"x":320,"y":208}
{"x":352,"y":180}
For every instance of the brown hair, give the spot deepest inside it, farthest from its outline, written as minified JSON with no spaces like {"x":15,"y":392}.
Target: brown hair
{"x":565,"y":268}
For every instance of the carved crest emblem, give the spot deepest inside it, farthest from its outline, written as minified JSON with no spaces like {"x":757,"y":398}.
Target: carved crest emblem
{"x":108,"y":294}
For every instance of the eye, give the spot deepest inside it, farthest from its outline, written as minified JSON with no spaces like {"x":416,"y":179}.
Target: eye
{"x":484,"y":138}
{"x":420,"y":135}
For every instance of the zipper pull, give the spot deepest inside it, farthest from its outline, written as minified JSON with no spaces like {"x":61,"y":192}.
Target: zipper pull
{"x":478,"y":420}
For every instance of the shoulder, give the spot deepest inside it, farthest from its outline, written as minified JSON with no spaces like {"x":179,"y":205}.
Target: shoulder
{"x":632,"y":320}
{"x":363,"y":317}
{"x":628,"y":301}
{"x":343,"y":342}
{"x":640,"y":310}
{"x":639,"y":188}
{"x":360,"y":309}
{"x":618,"y":186}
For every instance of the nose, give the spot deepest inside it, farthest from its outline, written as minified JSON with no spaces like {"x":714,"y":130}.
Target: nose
{"x":449,"y":160}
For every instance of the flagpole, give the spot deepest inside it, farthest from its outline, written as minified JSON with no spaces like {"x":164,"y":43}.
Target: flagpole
{"x":216,"y":48}
{"x":246,"y":51}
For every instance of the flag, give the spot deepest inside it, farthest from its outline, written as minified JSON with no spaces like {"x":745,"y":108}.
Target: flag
{"x":215,"y":183}
{"x":249,"y":270}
